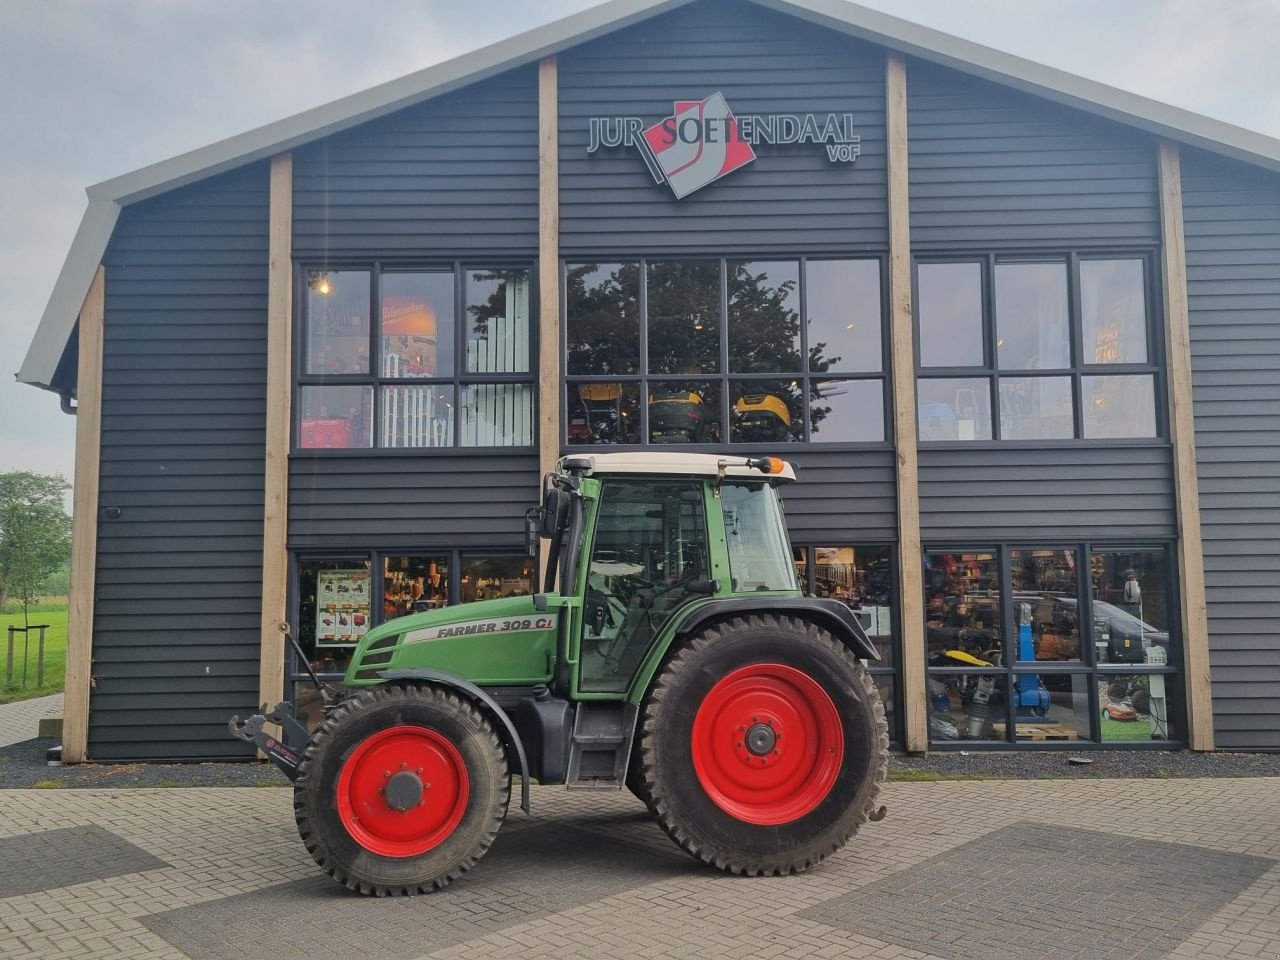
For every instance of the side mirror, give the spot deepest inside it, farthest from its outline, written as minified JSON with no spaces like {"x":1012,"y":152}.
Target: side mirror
{"x":532,"y":529}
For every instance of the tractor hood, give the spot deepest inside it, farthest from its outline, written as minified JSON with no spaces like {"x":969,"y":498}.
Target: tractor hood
{"x":502,"y":641}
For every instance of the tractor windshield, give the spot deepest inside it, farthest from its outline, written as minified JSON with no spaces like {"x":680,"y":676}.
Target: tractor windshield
{"x":759,"y":551}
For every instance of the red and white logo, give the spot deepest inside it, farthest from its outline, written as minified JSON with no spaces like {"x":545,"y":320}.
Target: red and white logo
{"x":698,"y":144}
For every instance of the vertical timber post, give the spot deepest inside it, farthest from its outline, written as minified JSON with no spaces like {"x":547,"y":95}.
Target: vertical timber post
{"x":548,"y":275}
{"x":1177,"y":338}
{"x":84,"y":524}
{"x":910,"y":559}
{"x":275,"y":559}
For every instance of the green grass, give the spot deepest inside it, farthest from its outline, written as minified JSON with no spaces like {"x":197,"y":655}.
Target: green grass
{"x":55,"y":652}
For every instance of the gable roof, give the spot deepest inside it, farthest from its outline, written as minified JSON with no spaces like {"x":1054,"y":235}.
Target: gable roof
{"x":107,"y":198}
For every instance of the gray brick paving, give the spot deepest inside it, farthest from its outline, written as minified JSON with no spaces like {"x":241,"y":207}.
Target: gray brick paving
{"x":578,"y":889}
{"x":20,"y":721}
{"x":1032,"y":892}
{"x":59,"y":858}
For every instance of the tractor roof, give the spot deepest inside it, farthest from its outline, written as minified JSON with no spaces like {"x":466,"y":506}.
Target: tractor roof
{"x":680,"y":464}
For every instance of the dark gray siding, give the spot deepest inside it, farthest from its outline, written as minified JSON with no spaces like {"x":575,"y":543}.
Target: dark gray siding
{"x":993,"y":168}
{"x":843,"y":497}
{"x":451,"y":177}
{"x":1046,"y":494}
{"x":390,"y":501}
{"x":179,"y":579}
{"x":791,"y":199}
{"x":1233,"y":277}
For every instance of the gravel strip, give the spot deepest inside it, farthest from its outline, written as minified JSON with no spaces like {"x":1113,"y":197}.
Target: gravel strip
{"x":23,"y":765}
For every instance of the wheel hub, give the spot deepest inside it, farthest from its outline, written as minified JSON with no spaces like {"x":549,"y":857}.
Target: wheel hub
{"x":760,"y":739}
{"x":403,"y":791}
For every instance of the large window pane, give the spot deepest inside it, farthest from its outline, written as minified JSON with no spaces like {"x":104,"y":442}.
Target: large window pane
{"x":1119,"y":406}
{"x":962,"y":609}
{"x":756,"y":538}
{"x":604,"y":413}
{"x":949,"y":309}
{"x":966,"y":706}
{"x":764,"y":316}
{"x":684,"y":411}
{"x":1051,"y":707}
{"x":497,"y":415}
{"x":337,"y":332}
{"x":1036,"y":408}
{"x":497,"y":319}
{"x":954,"y":409}
{"x":335,"y":417}
{"x":684,"y":317}
{"x":1138,"y":706}
{"x":1131,"y":606}
{"x":417,"y":416}
{"x":766,"y":411}
{"x":602,"y":302}
{"x":1113,"y":311}
{"x":846,"y":411}
{"x":417,"y":324}
{"x":413,"y":584}
{"x":843,"y":303}
{"x":1032,"y":330}
{"x":487,"y":578}
{"x":1046,"y":604}
{"x":862,"y":578}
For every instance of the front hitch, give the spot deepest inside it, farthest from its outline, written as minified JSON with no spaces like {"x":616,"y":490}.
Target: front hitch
{"x":283,"y":756}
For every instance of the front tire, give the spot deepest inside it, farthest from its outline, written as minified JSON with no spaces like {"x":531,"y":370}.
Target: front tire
{"x":763,"y":745}
{"x":401,"y":790}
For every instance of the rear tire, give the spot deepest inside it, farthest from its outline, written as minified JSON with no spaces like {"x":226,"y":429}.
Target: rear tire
{"x":741,"y":695}
{"x":431,"y":825}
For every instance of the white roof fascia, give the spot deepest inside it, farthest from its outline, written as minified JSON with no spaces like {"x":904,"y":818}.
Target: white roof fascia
{"x":678,"y":464}
{"x":1049,"y":83}
{"x":63,"y":310}
{"x":385,"y":98}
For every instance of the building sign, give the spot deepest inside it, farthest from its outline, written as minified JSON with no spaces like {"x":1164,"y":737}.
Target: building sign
{"x":702,"y":140}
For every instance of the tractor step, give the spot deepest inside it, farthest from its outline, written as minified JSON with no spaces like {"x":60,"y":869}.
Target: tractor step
{"x":601,"y":745}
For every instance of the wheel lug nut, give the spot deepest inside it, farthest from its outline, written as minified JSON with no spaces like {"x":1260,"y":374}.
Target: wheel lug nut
{"x":387,"y":772}
{"x":419,"y":771}
{"x":404,"y":766}
{"x":755,"y":719}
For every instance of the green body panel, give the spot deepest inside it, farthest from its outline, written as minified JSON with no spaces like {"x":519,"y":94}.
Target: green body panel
{"x":503,"y":641}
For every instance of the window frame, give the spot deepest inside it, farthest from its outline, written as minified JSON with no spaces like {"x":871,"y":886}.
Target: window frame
{"x":377,"y":268}
{"x":724,"y":377}
{"x":992,"y":373}
{"x":1011,"y":668}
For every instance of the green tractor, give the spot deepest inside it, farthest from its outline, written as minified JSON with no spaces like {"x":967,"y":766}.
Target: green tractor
{"x":669,"y":652}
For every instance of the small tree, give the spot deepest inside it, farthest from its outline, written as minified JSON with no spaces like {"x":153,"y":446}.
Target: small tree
{"x":35,"y":535}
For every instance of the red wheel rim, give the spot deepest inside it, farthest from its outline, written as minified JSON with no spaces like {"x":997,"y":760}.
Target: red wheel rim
{"x":767,"y":744}
{"x":433,"y":809}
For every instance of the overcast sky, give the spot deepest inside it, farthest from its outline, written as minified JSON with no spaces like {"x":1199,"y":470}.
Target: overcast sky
{"x":90,"y":89}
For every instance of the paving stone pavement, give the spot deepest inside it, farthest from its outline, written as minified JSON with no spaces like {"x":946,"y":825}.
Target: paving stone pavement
{"x":1173,"y":868}
{"x":19,"y":721}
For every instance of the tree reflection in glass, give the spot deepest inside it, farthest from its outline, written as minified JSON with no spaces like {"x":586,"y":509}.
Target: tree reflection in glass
{"x":764,"y":317}
{"x":684,"y":317}
{"x":603,"y":312}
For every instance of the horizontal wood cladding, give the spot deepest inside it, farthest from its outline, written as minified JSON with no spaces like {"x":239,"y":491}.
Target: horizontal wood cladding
{"x":992,"y":167}
{"x":456,"y":176}
{"x":1045,"y":494}
{"x":175,"y":645}
{"x":391,"y":500}
{"x":843,"y":497}
{"x":1232,"y":217}
{"x":789,"y":199}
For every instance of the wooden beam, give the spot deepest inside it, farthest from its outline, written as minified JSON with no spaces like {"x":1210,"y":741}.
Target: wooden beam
{"x":275,"y":558}
{"x":1177,"y":338}
{"x":548,"y":272}
{"x":910,"y":558}
{"x":84,"y":524}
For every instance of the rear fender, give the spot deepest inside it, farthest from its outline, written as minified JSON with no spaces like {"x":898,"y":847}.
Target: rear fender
{"x":832,"y":615}
{"x":510,"y":738}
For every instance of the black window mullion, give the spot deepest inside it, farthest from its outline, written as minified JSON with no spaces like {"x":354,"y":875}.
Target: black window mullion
{"x":990,"y":345}
{"x":460,"y":361}
{"x":644,"y":351}
{"x":1075,"y":315}
{"x":375,"y":354}
{"x":805,"y":432}
{"x":724,"y":350}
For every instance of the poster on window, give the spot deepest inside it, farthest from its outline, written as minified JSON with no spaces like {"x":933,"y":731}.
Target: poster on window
{"x":342,"y":607}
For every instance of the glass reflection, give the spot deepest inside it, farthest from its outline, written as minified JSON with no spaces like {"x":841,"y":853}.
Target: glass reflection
{"x":966,"y":706}
{"x":335,"y":417}
{"x":417,"y":416}
{"x":862,"y":578}
{"x":496,"y":415}
{"x":766,"y":411}
{"x":684,"y":411}
{"x":603,"y":317}
{"x":1130,"y":606}
{"x":488,"y":578}
{"x":842,"y":300}
{"x":1032,"y":331}
{"x":337,"y":321}
{"x":949,"y":310}
{"x":962,"y":609}
{"x":417,"y":325}
{"x":604,"y":413}
{"x":954,"y":409}
{"x":1113,"y":311}
{"x":1036,"y":408}
{"x":1051,"y":707}
{"x":846,"y":411}
{"x":497,"y":335}
{"x":1118,"y":406}
{"x":684,"y":317}
{"x":764,"y":316}
{"x":1046,"y":604}
{"x":1137,"y":706}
